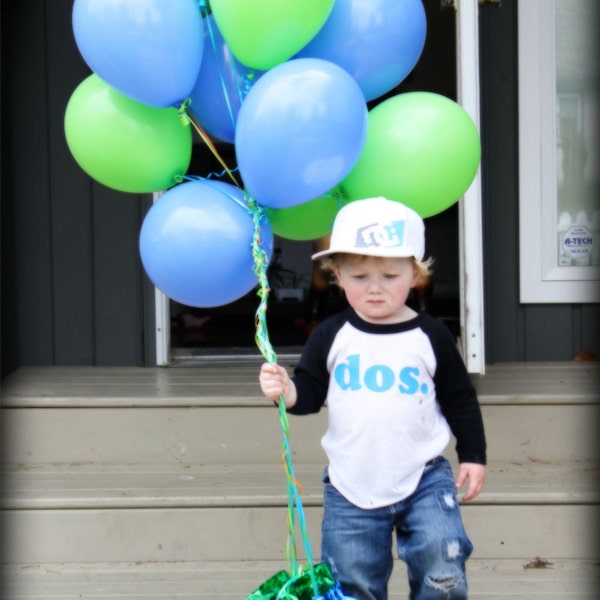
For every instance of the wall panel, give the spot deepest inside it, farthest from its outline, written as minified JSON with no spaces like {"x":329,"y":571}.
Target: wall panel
{"x":78,"y":292}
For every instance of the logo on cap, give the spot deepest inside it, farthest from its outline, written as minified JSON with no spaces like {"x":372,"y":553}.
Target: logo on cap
{"x":381,"y":235}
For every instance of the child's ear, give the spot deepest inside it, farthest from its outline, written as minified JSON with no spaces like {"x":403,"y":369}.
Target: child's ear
{"x":416,"y":278}
{"x":336,"y":274}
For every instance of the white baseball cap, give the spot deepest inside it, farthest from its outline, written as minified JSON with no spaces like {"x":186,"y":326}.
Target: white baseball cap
{"x":377,"y":227}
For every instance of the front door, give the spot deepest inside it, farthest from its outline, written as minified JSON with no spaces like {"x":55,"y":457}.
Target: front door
{"x":300,"y":297}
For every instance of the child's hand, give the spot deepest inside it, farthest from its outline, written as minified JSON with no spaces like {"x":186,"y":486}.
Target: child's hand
{"x":274,"y":381}
{"x":475,"y":474}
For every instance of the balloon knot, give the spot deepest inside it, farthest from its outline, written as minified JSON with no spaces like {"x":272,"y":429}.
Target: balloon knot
{"x":248,"y":80}
{"x":182,"y":112}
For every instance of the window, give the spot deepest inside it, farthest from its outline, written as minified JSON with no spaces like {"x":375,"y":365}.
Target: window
{"x":558,"y":151}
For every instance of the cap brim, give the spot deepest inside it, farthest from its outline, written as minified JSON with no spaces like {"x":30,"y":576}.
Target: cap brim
{"x":321,"y":254}
{"x":362,"y":252}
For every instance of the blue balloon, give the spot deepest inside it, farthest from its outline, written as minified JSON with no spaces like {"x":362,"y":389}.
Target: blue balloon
{"x":195,"y":244}
{"x":149,"y":50}
{"x":378,"y":42}
{"x":222,"y":84}
{"x":300,"y":131}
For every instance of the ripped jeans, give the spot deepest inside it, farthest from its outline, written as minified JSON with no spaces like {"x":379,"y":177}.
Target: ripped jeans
{"x":430,"y":537}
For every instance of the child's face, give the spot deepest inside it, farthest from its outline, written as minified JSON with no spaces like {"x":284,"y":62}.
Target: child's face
{"x":377,"y":288}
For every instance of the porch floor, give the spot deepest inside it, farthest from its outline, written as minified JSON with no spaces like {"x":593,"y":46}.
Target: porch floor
{"x":232,"y":385}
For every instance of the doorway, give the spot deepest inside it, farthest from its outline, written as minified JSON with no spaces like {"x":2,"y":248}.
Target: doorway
{"x":294,"y":305}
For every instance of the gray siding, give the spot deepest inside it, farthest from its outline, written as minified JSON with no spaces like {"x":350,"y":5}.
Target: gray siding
{"x":73,"y":290}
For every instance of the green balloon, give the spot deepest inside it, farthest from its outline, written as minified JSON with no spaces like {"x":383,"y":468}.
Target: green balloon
{"x":124,"y":144}
{"x":265,"y":33}
{"x":307,"y":221}
{"x":422,"y":149}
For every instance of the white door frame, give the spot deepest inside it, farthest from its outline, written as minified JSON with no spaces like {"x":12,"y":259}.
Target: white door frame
{"x":162,"y":319}
{"x":163,"y":328}
{"x":470,"y":227}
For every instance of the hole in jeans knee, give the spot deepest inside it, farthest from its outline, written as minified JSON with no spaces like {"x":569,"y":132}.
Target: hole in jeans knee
{"x":444,"y":584}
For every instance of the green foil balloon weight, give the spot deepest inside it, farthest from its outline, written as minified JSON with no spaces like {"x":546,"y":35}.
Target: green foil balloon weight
{"x":265,"y":33}
{"x":307,"y":221}
{"x":124,"y":144}
{"x":318,"y":585}
{"x":422,"y":149}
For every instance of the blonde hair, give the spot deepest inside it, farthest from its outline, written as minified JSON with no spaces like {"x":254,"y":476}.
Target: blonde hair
{"x":423,"y":267}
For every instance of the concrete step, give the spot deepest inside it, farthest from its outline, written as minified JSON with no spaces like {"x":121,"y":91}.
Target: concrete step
{"x":488,"y":580}
{"x":229,"y":512}
{"x":209,"y":435}
{"x":259,"y":533}
{"x":82,"y":486}
{"x":514,"y":383}
{"x":217,"y":415}
{"x":87,"y":512}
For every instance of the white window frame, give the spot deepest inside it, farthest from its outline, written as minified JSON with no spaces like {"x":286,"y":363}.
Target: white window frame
{"x":541,"y":281}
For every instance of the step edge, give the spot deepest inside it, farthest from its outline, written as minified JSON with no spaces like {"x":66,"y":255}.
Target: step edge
{"x":66,"y":402}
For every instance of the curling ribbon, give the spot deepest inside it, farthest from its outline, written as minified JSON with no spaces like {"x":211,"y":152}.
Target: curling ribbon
{"x":261,"y":263}
{"x":313,"y":582}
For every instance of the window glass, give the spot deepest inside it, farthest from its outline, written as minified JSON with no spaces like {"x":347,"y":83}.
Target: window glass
{"x":578,"y":202}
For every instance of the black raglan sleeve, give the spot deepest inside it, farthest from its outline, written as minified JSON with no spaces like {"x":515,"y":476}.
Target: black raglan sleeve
{"x":456,"y":395}
{"x":311,"y":376}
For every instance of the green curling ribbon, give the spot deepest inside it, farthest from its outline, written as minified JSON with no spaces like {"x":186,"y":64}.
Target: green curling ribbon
{"x":312,"y":582}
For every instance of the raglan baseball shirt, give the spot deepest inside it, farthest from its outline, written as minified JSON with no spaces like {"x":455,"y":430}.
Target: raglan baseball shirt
{"x":394,"y":395}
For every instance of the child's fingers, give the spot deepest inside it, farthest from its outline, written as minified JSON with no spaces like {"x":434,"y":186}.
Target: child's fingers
{"x":272,"y":380}
{"x":474,"y":474}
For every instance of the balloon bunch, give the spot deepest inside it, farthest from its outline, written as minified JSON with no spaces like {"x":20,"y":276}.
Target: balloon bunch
{"x":287,"y":83}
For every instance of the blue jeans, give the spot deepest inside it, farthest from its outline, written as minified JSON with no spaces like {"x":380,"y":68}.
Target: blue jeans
{"x":430,"y":538}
